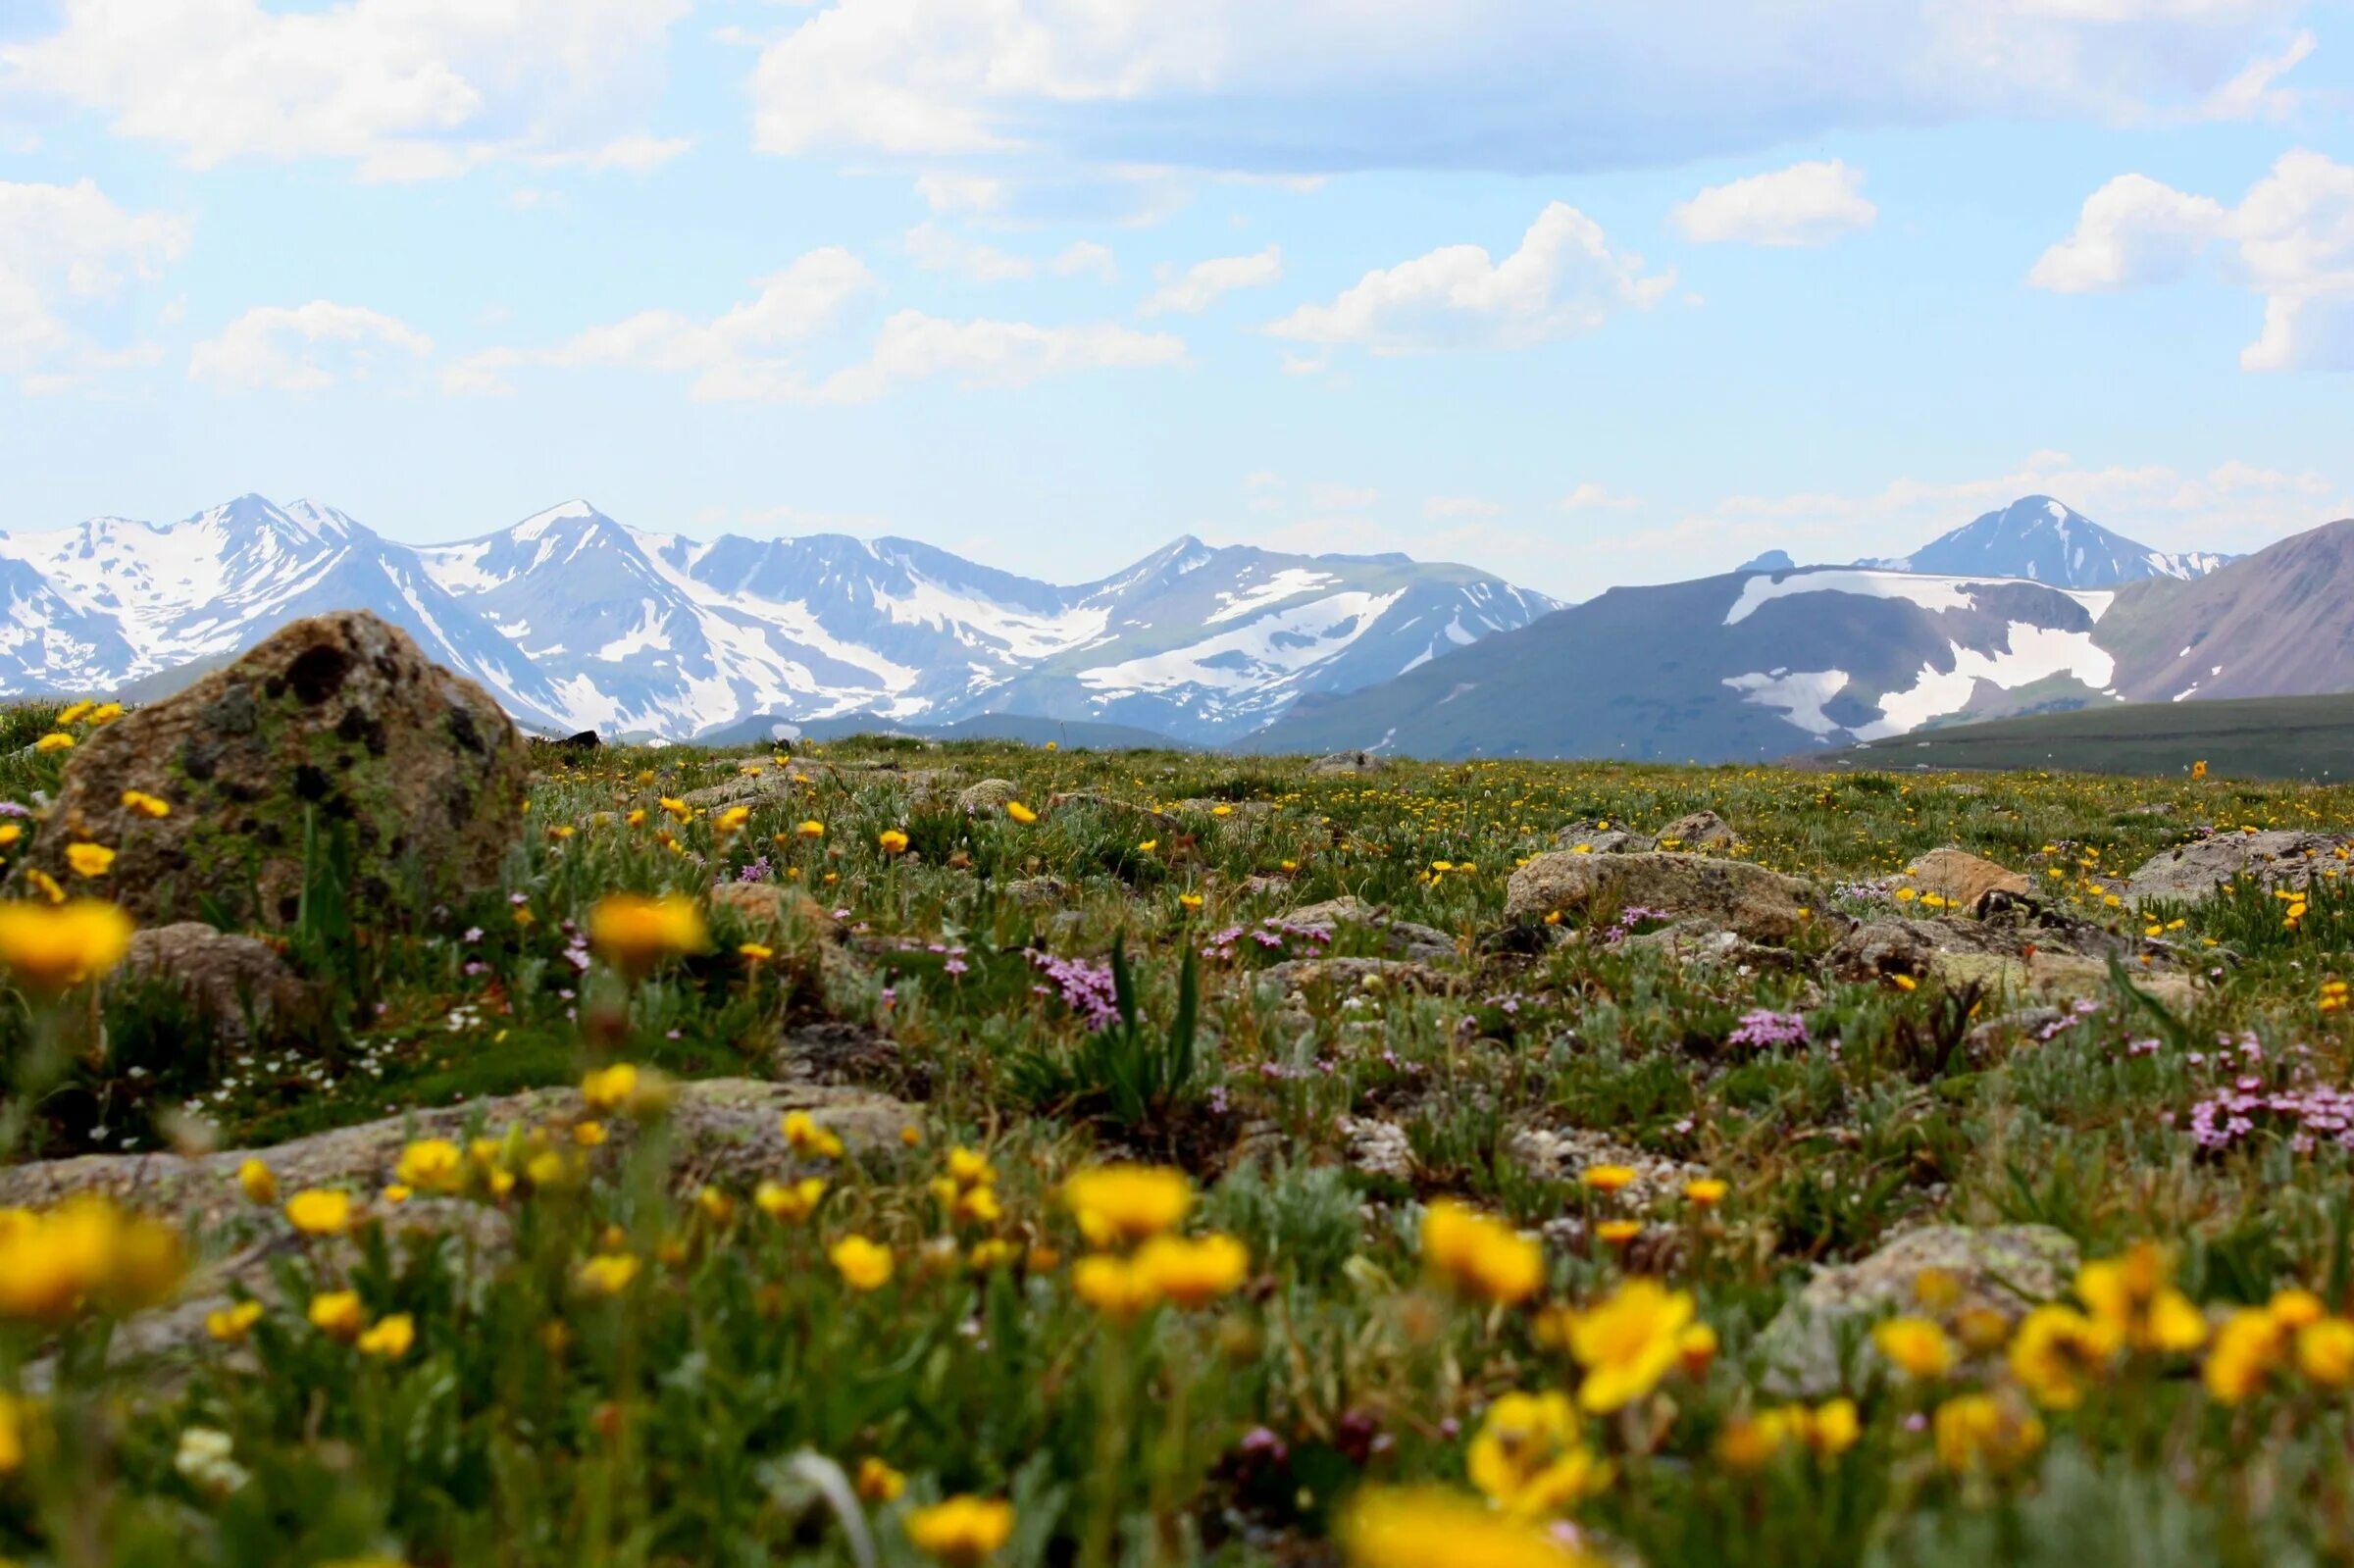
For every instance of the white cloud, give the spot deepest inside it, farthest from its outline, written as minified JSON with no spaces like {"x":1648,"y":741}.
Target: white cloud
{"x":1196,"y":288}
{"x":1563,"y":280}
{"x":1439,"y":508}
{"x":64,"y":249}
{"x":1311,"y":86}
{"x":765,"y":350}
{"x":913,"y":346}
{"x":2255,"y":93}
{"x":1589,"y":497}
{"x":1329,"y":497}
{"x":936,"y":250}
{"x":2291,"y":240}
{"x":2131,"y":230}
{"x":1085,"y":257}
{"x":1805,"y":204}
{"x":404,"y":90}
{"x":304,"y":348}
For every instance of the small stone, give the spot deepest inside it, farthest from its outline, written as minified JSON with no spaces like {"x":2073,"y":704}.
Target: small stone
{"x":1962,"y":878}
{"x":990,"y":794}
{"x":1698,"y":831}
{"x":1598,"y":838}
{"x":1342,"y":762}
{"x":239,"y":985}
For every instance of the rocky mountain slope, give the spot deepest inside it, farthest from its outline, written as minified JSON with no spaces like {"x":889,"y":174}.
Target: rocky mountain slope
{"x":574,"y":621}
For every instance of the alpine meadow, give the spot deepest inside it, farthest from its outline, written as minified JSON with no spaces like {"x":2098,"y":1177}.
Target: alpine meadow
{"x":1511,"y":784}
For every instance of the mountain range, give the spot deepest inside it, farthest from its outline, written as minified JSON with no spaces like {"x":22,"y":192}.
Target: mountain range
{"x":1759,"y":664}
{"x":574,"y":621}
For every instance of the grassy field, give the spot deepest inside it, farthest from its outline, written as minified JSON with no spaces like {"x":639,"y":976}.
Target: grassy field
{"x":2249,"y":738}
{"x":1188,"y":1256}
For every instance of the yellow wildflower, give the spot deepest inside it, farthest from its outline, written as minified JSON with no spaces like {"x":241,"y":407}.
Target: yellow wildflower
{"x":634,"y":934}
{"x":2133,"y":1295}
{"x":1194,"y":1273}
{"x":50,"y":948}
{"x":1481,"y":1257}
{"x":1392,"y":1528}
{"x":863,"y":1265}
{"x":794,"y":1201}
{"x":320,"y":1212}
{"x":1122,"y":1205}
{"x":963,"y":1531}
{"x":389,"y":1337}
{"x":1916,"y":1347}
{"x":1019,"y":812}
{"x":2059,"y":1353}
{"x":1979,"y":1432}
{"x":257,"y":1181}
{"x":432,"y":1165}
{"x":1530,"y":1456}
{"x":892,"y":841}
{"x":878,"y":1482}
{"x":339,"y":1314}
{"x":1629,"y":1344}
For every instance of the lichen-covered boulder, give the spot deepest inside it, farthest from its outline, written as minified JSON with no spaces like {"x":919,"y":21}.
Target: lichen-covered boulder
{"x":1821,"y":1333}
{"x":1603,"y":839}
{"x":2277,"y":857}
{"x":1341,"y":764}
{"x":1698,"y":831}
{"x":1724,"y":895}
{"x":336,"y":725}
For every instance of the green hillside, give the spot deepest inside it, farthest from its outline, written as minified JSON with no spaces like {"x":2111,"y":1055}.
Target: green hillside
{"x":2250,"y":738}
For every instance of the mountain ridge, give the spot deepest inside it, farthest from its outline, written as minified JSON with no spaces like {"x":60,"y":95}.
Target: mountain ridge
{"x":577,"y":620}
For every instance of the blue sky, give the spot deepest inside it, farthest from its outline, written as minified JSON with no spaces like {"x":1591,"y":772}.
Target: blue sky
{"x":1049,"y":281}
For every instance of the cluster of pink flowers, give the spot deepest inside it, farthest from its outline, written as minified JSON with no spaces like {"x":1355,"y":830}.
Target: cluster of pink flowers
{"x":2303,"y":1109}
{"x":1272,"y":934}
{"x":1764,"y":1030}
{"x":1085,"y":988}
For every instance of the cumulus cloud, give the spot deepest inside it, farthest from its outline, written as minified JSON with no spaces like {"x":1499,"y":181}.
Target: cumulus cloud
{"x":936,"y":250}
{"x":768,"y":348}
{"x":2291,"y":240}
{"x":403,"y":89}
{"x":65,"y":250}
{"x":1563,"y":280}
{"x":1084,"y":258}
{"x":914,"y":346}
{"x":1308,"y":87}
{"x":305,"y":348}
{"x":1192,"y":290}
{"x":1592,"y":497}
{"x":1805,"y":204}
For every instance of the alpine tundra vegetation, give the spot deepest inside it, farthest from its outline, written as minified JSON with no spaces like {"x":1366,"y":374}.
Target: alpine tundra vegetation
{"x":898,"y":1152}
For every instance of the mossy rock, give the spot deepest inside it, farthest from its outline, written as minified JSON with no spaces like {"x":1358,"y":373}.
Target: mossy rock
{"x":336,"y":729}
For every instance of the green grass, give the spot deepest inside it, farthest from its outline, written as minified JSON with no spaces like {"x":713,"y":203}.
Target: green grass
{"x":2247,"y":737}
{"x":535,"y":1422}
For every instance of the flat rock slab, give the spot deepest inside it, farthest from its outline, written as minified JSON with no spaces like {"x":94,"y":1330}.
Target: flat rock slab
{"x":1400,"y":939}
{"x":722,"y":1127}
{"x":1728,"y":894}
{"x":2281,"y":857}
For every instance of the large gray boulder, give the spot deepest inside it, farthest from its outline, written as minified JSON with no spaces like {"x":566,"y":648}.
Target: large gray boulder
{"x":334,"y":725}
{"x":2282,"y":857}
{"x":1727,"y":894}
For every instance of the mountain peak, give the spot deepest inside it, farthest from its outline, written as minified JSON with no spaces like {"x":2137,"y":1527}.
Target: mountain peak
{"x":2044,"y":540}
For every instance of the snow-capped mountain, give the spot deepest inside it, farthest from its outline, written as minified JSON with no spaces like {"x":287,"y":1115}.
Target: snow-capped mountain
{"x":2048,"y":542}
{"x":575,"y":620}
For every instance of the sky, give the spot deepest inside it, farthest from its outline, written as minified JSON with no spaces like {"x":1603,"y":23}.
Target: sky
{"x":1583,"y":292}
